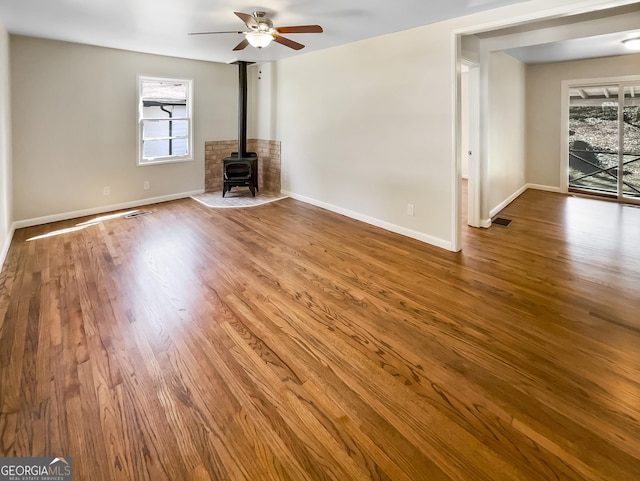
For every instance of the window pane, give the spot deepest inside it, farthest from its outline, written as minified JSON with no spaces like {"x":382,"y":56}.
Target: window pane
{"x":631,"y":174}
{"x":593,"y":144}
{"x":165,"y":92}
{"x":164,"y":128}
{"x":151,"y":110}
{"x":164,"y":148}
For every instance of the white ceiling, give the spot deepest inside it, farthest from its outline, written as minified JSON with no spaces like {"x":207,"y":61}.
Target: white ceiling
{"x":161,"y":26}
{"x":575,"y":49}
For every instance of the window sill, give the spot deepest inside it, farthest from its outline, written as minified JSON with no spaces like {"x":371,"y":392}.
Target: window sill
{"x":164,"y":160}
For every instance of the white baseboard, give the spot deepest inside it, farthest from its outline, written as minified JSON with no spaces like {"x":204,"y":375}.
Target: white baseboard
{"x":547,"y":188}
{"x":102,"y":209}
{"x":436,"y":241}
{"x":5,"y":247}
{"x":485,"y":223}
{"x":493,"y":212}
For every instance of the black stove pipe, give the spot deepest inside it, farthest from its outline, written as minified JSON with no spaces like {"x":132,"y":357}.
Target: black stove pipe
{"x":242,"y":110}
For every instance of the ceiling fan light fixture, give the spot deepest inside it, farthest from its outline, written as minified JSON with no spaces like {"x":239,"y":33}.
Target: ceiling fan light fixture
{"x":259,"y":39}
{"x":632,"y":43}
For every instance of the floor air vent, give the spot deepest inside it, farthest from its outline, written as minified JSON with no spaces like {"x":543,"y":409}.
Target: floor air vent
{"x":501,"y":221}
{"x":133,"y":215}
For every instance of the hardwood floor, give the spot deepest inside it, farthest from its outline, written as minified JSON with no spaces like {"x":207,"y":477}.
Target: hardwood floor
{"x":285,"y":342}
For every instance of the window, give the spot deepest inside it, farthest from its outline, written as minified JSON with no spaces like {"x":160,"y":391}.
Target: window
{"x":604,"y":140}
{"x":164,"y":120}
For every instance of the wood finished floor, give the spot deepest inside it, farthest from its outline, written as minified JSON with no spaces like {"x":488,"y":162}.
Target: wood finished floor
{"x":285,"y":342}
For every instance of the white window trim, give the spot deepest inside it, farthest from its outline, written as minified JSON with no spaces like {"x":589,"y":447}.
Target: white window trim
{"x":141,"y":162}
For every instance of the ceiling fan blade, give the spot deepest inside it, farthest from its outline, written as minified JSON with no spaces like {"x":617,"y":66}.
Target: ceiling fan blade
{"x":287,"y":43}
{"x":249,"y":20}
{"x":301,"y":29}
{"x":242,"y":45}
{"x":212,"y":33}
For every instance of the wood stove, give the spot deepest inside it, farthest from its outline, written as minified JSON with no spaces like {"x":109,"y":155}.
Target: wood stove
{"x":241,"y":169}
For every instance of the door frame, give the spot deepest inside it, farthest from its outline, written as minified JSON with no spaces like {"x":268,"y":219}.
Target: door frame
{"x":473,"y":206}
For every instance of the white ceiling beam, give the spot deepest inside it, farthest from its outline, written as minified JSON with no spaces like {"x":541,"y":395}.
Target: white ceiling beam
{"x":607,"y":94}
{"x":583,"y":94}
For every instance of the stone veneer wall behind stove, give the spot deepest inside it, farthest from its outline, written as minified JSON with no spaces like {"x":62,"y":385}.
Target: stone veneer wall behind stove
{"x":268,"y":162}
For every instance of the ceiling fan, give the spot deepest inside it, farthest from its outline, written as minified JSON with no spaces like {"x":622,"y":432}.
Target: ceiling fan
{"x":261,"y":32}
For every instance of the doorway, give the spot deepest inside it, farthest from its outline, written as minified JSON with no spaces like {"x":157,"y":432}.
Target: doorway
{"x":604,"y":140}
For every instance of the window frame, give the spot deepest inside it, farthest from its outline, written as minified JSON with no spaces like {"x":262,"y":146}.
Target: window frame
{"x":168,"y":159}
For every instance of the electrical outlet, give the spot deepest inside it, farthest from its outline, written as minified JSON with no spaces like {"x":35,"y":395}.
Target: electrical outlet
{"x":106,"y":190}
{"x":146,"y":185}
{"x":410,"y":209}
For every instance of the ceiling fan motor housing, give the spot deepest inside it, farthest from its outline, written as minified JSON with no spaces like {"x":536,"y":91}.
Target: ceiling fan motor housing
{"x":264,"y":23}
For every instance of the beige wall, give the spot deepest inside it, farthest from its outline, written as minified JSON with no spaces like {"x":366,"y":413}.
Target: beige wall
{"x":263,"y":97}
{"x":75,"y":130}
{"x":544,"y":82}
{"x":505,"y":162}
{"x":5,"y":146}
{"x":366,"y":129}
